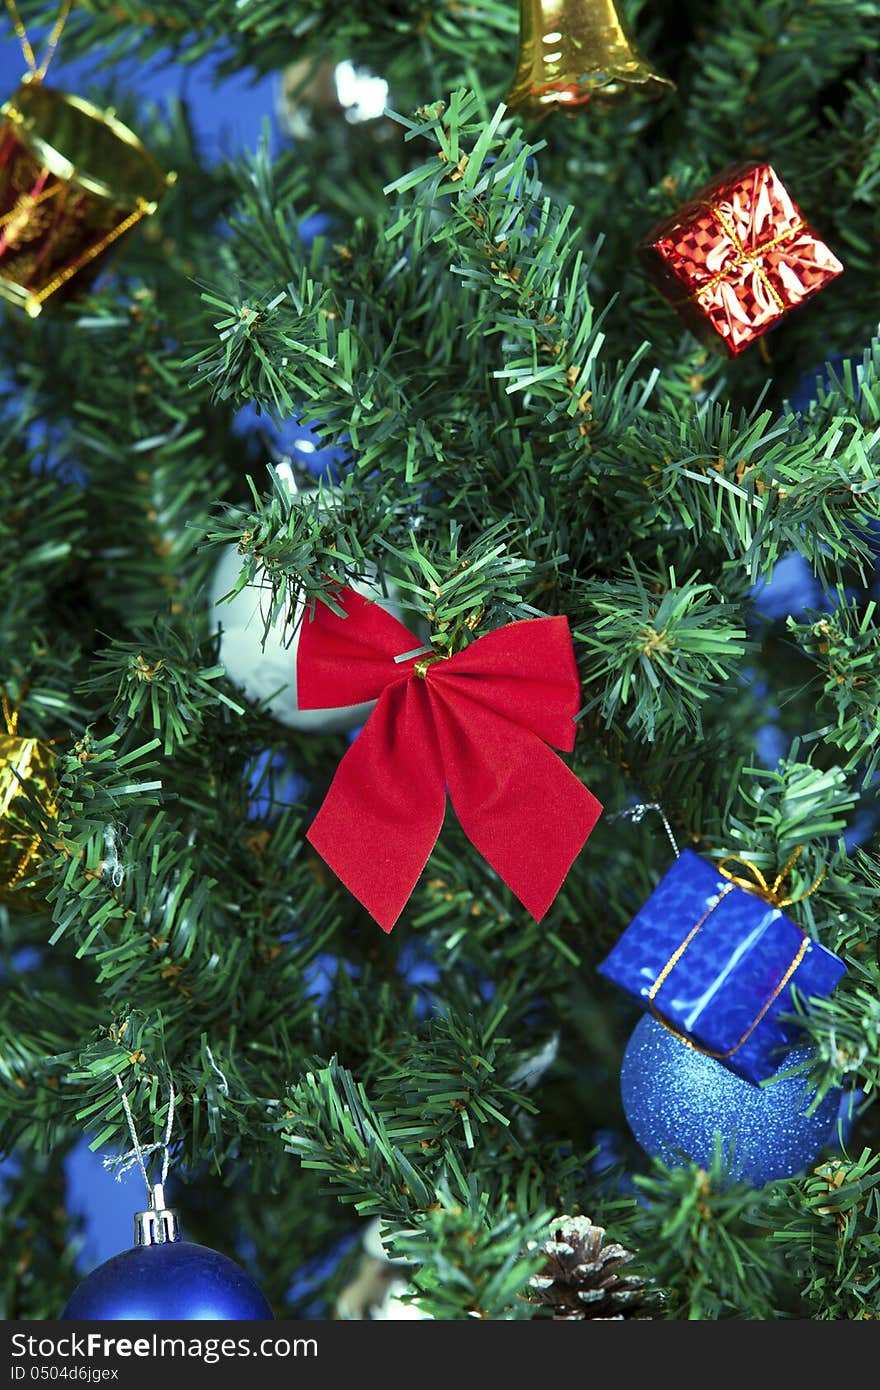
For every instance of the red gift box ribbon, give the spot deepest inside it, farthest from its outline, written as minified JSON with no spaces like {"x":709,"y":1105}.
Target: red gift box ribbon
{"x":476,"y":724}
{"x":757,"y":218}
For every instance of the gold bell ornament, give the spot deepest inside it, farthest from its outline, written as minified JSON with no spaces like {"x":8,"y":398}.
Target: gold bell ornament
{"x":73,"y":180}
{"x":23,"y":762}
{"x":571,"y":51}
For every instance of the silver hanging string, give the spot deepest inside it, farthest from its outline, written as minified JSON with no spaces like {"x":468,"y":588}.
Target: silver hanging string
{"x":637,"y":813}
{"x":168,"y":1127}
{"x":223,"y":1083}
{"x":112,"y":865}
{"x":139,"y":1153}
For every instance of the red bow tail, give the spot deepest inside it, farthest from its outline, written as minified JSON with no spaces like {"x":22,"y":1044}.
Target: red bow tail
{"x":516,"y":801}
{"x":383,"y":813}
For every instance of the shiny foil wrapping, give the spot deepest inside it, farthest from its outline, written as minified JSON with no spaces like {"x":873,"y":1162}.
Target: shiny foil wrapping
{"x":73,"y":181}
{"x":734,"y":260}
{"x":23,"y":762}
{"x":717,"y":989}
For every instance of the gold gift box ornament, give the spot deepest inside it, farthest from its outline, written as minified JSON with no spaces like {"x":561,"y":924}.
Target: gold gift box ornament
{"x":73,"y":181}
{"x":26,"y":764}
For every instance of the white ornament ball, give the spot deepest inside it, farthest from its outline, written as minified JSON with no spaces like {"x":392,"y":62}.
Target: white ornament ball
{"x":374,"y":1246}
{"x":396,"y":1309}
{"x":268,"y":672}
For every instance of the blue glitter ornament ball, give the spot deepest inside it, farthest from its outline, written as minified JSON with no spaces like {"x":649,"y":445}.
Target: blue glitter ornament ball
{"x":174,"y":1281}
{"x":677,"y":1100}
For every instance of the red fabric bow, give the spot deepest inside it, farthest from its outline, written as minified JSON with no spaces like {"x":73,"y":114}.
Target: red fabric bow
{"x":477,"y":724}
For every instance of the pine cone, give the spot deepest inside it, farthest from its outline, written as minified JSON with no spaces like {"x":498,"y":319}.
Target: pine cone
{"x":581,"y":1278}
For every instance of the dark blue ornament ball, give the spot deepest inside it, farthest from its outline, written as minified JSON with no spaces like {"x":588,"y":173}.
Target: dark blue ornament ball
{"x":677,"y":1100}
{"x":175,"y":1281}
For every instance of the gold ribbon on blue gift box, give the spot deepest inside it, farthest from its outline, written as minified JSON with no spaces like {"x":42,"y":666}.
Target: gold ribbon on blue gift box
{"x":776,"y":895}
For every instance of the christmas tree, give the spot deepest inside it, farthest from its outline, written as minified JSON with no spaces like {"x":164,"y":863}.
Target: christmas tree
{"x":444,"y":311}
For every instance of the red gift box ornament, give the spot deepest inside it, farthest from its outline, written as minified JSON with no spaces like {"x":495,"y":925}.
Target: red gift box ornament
{"x":734,"y":260}
{"x":476,"y":724}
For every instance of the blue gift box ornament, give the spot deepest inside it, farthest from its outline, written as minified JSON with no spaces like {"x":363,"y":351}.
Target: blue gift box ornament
{"x":716,"y":964}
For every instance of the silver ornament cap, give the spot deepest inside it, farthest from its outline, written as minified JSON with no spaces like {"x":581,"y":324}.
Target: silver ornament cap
{"x":159,"y":1225}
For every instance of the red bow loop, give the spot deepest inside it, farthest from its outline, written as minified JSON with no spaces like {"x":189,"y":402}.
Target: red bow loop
{"x":524,"y":672}
{"x":349,"y":660}
{"x":477,"y":723}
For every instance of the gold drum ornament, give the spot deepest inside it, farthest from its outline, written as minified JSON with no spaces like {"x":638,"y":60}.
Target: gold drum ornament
{"x":73,"y":181}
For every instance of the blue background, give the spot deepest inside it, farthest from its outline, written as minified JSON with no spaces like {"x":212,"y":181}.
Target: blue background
{"x":227,"y":115}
